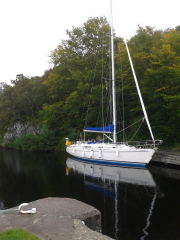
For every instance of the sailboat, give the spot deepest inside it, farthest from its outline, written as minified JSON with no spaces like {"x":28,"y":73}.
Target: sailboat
{"x":114,"y":153}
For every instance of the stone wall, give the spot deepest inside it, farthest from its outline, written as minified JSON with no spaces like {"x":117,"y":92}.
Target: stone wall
{"x":166,"y":157}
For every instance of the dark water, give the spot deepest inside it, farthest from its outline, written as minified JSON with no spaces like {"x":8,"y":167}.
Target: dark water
{"x":135,"y":204}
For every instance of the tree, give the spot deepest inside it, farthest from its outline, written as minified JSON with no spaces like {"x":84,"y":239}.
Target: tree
{"x":21,"y":102}
{"x":163,"y":83}
{"x":177,"y":28}
{"x":76,"y":61}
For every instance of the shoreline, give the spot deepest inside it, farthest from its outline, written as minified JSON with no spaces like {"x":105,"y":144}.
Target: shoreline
{"x":161,"y":156}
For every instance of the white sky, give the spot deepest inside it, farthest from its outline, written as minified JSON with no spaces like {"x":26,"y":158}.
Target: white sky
{"x":30,"y":29}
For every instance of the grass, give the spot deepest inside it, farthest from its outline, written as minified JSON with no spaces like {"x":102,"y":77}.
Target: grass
{"x":17,"y":234}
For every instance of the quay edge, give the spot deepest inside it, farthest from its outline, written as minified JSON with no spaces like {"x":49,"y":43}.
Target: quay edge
{"x":166,"y":157}
{"x":57,"y":219}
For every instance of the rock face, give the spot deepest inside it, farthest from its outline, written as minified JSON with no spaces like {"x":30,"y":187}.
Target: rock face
{"x":18,"y":129}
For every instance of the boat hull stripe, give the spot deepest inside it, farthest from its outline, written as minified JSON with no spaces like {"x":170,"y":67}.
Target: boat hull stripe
{"x":113,"y":163}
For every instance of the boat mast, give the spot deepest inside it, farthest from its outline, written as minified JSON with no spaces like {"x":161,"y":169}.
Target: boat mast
{"x":139,"y":93}
{"x":113,"y":75}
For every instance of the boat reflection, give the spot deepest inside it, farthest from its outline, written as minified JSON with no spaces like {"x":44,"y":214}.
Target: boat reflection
{"x":119,"y":174}
{"x":129,"y":192}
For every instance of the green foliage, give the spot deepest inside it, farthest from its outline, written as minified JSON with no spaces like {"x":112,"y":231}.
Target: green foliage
{"x":163,"y":82}
{"x":60,"y":147}
{"x":51,"y":114}
{"x":155,"y":57}
{"x":69,"y":84}
{"x":17,"y":234}
{"x":27,"y":142}
{"x":67,"y":97}
{"x":22,"y":101}
{"x":8,"y":144}
{"x":47,"y":141}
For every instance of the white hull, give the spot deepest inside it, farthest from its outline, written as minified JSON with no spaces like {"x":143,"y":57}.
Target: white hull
{"x":111,"y":154}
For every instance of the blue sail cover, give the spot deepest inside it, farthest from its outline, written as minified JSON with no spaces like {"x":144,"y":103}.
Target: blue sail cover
{"x":106,"y":129}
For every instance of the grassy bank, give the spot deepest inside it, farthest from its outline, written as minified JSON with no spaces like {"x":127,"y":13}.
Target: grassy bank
{"x":17,"y":234}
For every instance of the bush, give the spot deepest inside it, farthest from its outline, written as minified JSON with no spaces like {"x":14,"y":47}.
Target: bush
{"x":27,"y":142}
{"x":8,"y":144}
{"x":47,"y":141}
{"x":61,"y":147}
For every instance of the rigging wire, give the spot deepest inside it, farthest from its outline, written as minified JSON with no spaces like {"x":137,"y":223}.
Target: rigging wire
{"x":137,"y":130}
{"x":122,"y":92}
{"x":102,"y":85}
{"x":110,"y":83}
{"x":91,"y":88}
{"x":142,"y":119}
{"x":101,"y":40}
{"x":121,"y":112}
{"x":108,"y":118}
{"x":90,"y":77}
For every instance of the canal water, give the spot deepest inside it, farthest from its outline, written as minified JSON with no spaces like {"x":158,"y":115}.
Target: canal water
{"x":134,"y":203}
